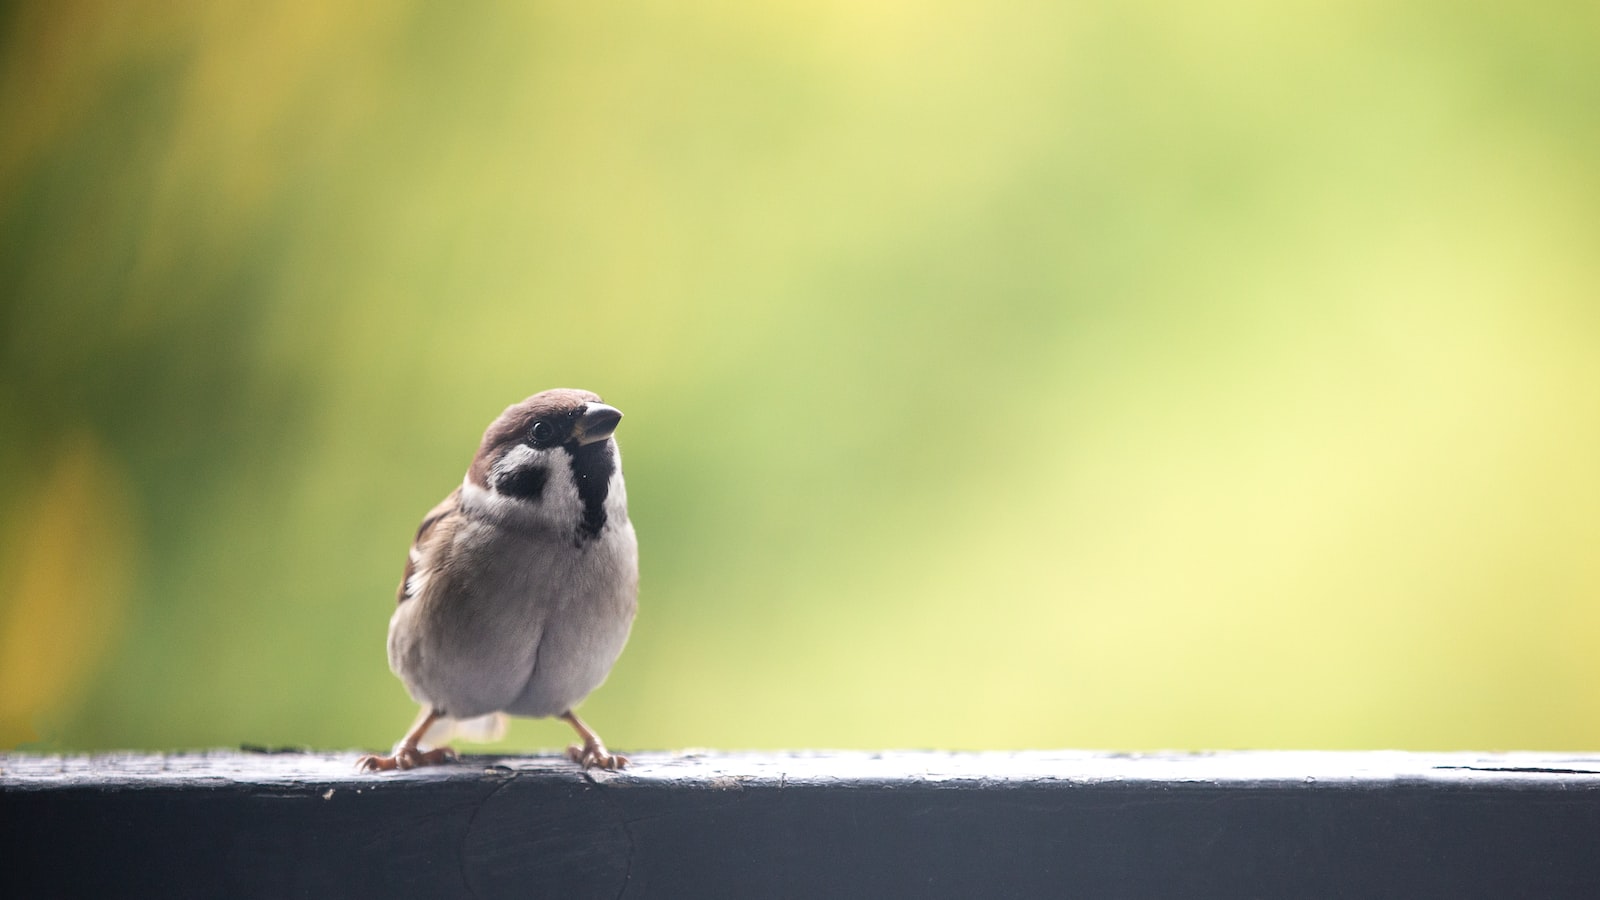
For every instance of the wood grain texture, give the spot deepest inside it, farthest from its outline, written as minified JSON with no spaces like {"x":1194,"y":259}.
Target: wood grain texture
{"x":917,"y":824}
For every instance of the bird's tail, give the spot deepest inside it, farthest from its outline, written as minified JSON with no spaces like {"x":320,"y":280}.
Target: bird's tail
{"x":481,"y":730}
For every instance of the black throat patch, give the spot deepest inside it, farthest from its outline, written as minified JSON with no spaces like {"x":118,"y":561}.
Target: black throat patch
{"x":592,"y":467}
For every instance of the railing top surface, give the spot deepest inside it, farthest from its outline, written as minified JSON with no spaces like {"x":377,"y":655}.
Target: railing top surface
{"x":738,"y":770}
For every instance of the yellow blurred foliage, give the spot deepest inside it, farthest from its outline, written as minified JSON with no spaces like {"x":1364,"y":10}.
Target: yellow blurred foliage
{"x":68,"y":553}
{"x":1105,"y":374}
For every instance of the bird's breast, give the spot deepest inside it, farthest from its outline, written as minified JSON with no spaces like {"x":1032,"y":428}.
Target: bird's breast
{"x":505,"y":609}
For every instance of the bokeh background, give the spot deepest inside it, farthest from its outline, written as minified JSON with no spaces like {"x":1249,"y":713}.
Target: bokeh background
{"x":1090,"y":374}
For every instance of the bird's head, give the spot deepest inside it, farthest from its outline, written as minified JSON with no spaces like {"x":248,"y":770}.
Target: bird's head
{"x":553,"y":450}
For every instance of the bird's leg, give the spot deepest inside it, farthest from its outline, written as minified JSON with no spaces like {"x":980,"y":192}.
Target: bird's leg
{"x":593,"y":753}
{"x":406,"y":755}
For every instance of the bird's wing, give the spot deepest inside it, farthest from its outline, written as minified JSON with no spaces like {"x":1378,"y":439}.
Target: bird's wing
{"x":422,"y":544}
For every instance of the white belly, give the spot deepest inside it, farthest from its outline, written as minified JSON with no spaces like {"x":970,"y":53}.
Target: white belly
{"x":527,"y":633}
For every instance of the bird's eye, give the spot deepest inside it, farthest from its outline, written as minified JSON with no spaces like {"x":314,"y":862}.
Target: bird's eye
{"x":542,"y":433}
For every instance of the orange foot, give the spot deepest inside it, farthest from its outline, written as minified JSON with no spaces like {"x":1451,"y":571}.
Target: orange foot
{"x":406,"y":758}
{"x":594,"y":755}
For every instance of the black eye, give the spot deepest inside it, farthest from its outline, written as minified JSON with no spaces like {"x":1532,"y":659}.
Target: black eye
{"x":542,"y":433}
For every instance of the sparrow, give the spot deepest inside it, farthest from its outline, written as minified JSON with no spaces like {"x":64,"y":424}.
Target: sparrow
{"x":521,"y":586}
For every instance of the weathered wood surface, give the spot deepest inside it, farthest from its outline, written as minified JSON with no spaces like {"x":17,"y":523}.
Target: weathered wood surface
{"x":806,"y":825}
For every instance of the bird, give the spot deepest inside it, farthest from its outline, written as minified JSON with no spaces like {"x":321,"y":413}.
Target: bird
{"x":521,"y":587}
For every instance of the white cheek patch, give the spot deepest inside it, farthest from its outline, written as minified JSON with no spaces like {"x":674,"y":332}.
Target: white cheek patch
{"x":616,"y":491}
{"x":558,"y":504}
{"x":616,"y":499}
{"x":518,"y":457}
{"x":561,"y":490}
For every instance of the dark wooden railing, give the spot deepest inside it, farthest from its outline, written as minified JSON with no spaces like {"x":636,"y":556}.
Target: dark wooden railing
{"x":905,"y":824}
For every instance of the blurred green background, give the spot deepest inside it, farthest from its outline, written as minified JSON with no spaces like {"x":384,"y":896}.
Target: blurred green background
{"x":1093,"y":374}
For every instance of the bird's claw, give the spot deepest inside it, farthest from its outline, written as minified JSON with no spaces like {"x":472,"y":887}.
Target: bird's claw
{"x":406,"y":758}
{"x":596,"y":756}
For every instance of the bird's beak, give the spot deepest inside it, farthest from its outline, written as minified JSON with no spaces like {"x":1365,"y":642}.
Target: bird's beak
{"x":597,"y":423}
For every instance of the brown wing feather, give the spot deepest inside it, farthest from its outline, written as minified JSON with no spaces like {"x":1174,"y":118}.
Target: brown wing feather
{"x":445,"y":508}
